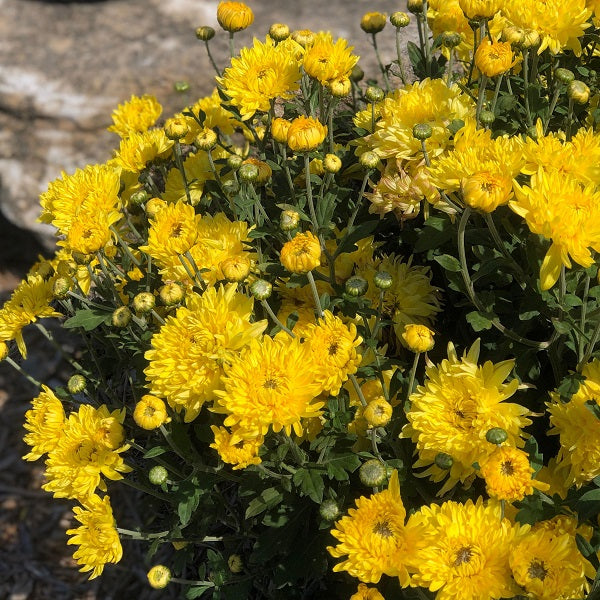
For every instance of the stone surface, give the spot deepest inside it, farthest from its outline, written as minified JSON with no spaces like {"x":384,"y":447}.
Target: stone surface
{"x":66,"y":65}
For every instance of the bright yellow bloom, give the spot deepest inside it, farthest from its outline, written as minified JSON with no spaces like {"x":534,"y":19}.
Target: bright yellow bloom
{"x":486,"y":190}
{"x":96,"y":537}
{"x":374,"y":539}
{"x":493,"y":58}
{"x":44,"y":422}
{"x":136,"y":115}
{"x":302,"y":253}
{"x":271,"y":385}
{"x":565,"y":212}
{"x":378,"y":412}
{"x":138,"y":149}
{"x":185,"y":363}
{"x":279,"y":129}
{"x":259,"y":75}
{"x":305,"y":134}
{"x":159,"y":575}
{"x":465,"y":549}
{"x":236,"y":450}
{"x":90,"y":232}
{"x":418,"y":338}
{"x":264,"y":170}
{"x":579,"y":430}
{"x":327,"y":61}
{"x":508,"y":474}
{"x":454,"y":409}
{"x":477,"y":9}
{"x":333,"y":348}
{"x":150,"y":412}
{"x":234,"y":16}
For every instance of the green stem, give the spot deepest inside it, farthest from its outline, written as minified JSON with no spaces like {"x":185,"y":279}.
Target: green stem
{"x":526,"y":85}
{"x":211,"y":59}
{"x":569,"y":119}
{"x":315,"y":292}
{"x":586,"y":290}
{"x":553,"y":102}
{"x":411,"y":378}
{"x":24,"y":373}
{"x":450,"y":67}
{"x":496,"y":92}
{"x":273,"y":316}
{"x":358,"y":201}
{"x":590,"y":348}
{"x":364,"y":403}
{"x":57,"y":346}
{"x":231,"y":45}
{"x":179,"y":163}
{"x":399,"y":55}
{"x":288,"y":175}
{"x":472,"y":65}
{"x":309,"y":198}
{"x":480,"y":96}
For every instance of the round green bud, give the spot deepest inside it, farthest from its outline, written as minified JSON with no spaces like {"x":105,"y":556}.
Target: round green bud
{"x":578,"y":91}
{"x":76,"y":384}
{"x":248,"y":172}
{"x":487,"y":117}
{"x":171,"y":293}
{"x":443,"y":461}
{"x":235,"y":563}
{"x":205,"y":33}
{"x":329,"y":509}
{"x":159,"y":577}
{"x":374,"y":94}
{"x":357,"y":74}
{"x":451,"y":39}
{"x":158,"y":475}
{"x":289,"y":220}
{"x":399,"y":19}
{"x":235,"y":162}
{"x":261,"y":289}
{"x":231,"y":187}
{"x":181,"y":86}
{"x":415,"y":6}
{"x":206,"y":139}
{"x":121,"y":317}
{"x":422,"y":131}
{"x":383,"y":280}
{"x":176,"y":128}
{"x":369,"y":160}
{"x":372,"y":473}
{"x":564,"y":76}
{"x":144,"y":302}
{"x":279,"y":32}
{"x":61,"y":286}
{"x":356,"y":286}
{"x":138,"y":198}
{"x":496,"y":435}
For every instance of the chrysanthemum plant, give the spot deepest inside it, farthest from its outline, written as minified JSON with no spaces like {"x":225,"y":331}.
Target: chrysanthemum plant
{"x":257,"y":281}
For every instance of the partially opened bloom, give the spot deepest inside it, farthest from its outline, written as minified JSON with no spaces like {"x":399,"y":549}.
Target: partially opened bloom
{"x":480,"y":9}
{"x":302,"y":253}
{"x":236,"y":450}
{"x":328,"y":61}
{"x":150,"y":412}
{"x":493,"y":58}
{"x":305,"y":134}
{"x":44,"y":422}
{"x":234,"y":16}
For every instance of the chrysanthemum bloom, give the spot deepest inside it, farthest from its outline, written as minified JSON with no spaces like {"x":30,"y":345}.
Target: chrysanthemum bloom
{"x":327,"y":61}
{"x":236,"y":268}
{"x":565,"y":212}
{"x":486,"y":191}
{"x":96,"y":537}
{"x":150,"y":412}
{"x":480,"y":9}
{"x":458,"y":404}
{"x":138,"y":149}
{"x":90,"y":232}
{"x":89,"y":448}
{"x":374,"y":539}
{"x":159,"y":576}
{"x":366,"y":593}
{"x":279,"y":129}
{"x":306,"y":134}
{"x":136,"y":115}
{"x":302,"y":253}
{"x":264,"y":170}
{"x":559,"y":24}
{"x":188,"y":353}
{"x":579,"y":431}
{"x":236,"y":450}
{"x":508,"y":474}
{"x":418,"y":338}
{"x":260,"y":74}
{"x":234,"y":16}
{"x":548,"y":566}
{"x":44,"y":422}
{"x":378,"y":412}
{"x":447,"y":16}
{"x":465,"y":549}
{"x":271,"y":385}
{"x":493,"y":58}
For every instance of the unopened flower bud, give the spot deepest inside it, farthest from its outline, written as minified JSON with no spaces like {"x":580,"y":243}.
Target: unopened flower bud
{"x":3,"y":350}
{"x":205,"y":33}
{"x":451,"y":39}
{"x":531,"y":39}
{"x":235,"y":564}
{"x":264,"y":170}
{"x":415,"y":6}
{"x":143,"y":302}
{"x":234,"y":16}
{"x":564,"y":76}
{"x":496,"y":435}
{"x":372,"y":473}
{"x":236,"y":268}
{"x":159,"y":577}
{"x":443,"y":461}
{"x":418,"y":338}
{"x":373,"y":22}
{"x":369,"y":160}
{"x":487,"y":117}
{"x":513,"y":35}
{"x":76,"y":384}
{"x":235,"y":162}
{"x":304,"y":37}
{"x":61,"y":287}
{"x":261,"y":289}
{"x":532,"y":132}
{"x":279,"y":129}
{"x":176,"y":128}
{"x":329,"y":509}
{"x":422,"y":131}
{"x":356,"y":286}
{"x":578,"y":91}
{"x":230,"y":187}
{"x":289,"y":220}
{"x":378,"y":412}
{"x":158,"y":475}
{"x":121,"y":317}
{"x":279,"y":32}
{"x":171,"y":293}
{"x":340,"y":87}
{"x":332,"y":163}
{"x":383,"y":280}
{"x":138,"y":198}
{"x":357,"y":74}
{"x":248,"y":172}
{"x":154,"y":206}
{"x":374,"y":94}
{"x":206,"y":139}
{"x":399,"y":19}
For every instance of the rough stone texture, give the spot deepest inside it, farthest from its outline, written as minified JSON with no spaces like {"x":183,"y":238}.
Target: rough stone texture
{"x":66,"y":65}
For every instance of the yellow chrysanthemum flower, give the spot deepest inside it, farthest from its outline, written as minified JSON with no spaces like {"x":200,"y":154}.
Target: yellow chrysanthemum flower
{"x":327,"y":61}
{"x":260,"y":74}
{"x":508,"y":474}
{"x":560,"y":24}
{"x":374,"y":538}
{"x":464,"y":551}
{"x":493,"y":58}
{"x":271,"y":385}
{"x":188,"y":354}
{"x":90,"y":232}
{"x":90,"y":446}
{"x":565,"y":212}
{"x":418,"y":338}
{"x":578,"y":429}
{"x":235,"y":450}
{"x":300,"y":300}
{"x":333,"y":348}
{"x":44,"y":422}
{"x":136,"y":115}
{"x":302,"y":253}
{"x":96,"y":537}
{"x":305,"y":134}
{"x":548,"y":566}
{"x":234,"y":16}
{"x":478,"y":9}
{"x":138,"y":149}
{"x":150,"y":412}
{"x":458,"y":404}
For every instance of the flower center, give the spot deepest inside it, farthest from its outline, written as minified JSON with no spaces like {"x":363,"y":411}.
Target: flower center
{"x":537,"y":570}
{"x":506,"y":468}
{"x":463,"y":555}
{"x":383,"y":529}
{"x":270,"y":384}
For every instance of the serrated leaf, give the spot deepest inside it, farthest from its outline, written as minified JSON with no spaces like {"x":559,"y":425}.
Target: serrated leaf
{"x":267,"y":499}
{"x":449,"y":263}
{"x":478,"y":321}
{"x":197,"y":591}
{"x":190,"y":498}
{"x":87,"y":318}
{"x":310,"y":483}
{"x":339,"y":466}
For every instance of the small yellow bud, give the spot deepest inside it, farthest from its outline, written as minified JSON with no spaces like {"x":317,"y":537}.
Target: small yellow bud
{"x":369,"y":160}
{"x":513,"y":35}
{"x":176,"y":128}
{"x":531,"y":39}
{"x":279,"y":32}
{"x":332,"y":163}
{"x":150,"y":412}
{"x":76,"y":384}
{"x":159,"y":577}
{"x":171,"y":293}
{"x":154,"y":206}
{"x":373,"y":22}
{"x":206,"y":139}
{"x":236,"y":268}
{"x":399,"y":19}
{"x":372,"y":473}
{"x":305,"y":134}
{"x":304,"y":37}
{"x":578,"y":91}
{"x":289,"y":220}
{"x":302,"y":253}
{"x":121,"y":317}
{"x":264,"y":170}
{"x":235,"y":564}
{"x":418,"y":338}
{"x":378,"y":412}
{"x":234,"y":16}
{"x":564,"y":76}
{"x":205,"y":33}
{"x":143,"y":303}
{"x":279,"y":129}
{"x":340,"y":87}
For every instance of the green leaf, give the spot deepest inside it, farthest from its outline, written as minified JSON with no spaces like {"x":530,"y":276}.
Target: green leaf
{"x":588,"y":504}
{"x":593,"y":407}
{"x":190,"y":498}
{"x":156,"y":451}
{"x":449,"y":263}
{"x":478,"y":321}
{"x":569,"y":386}
{"x":88,"y":318}
{"x":339,"y":467}
{"x":267,"y":499}
{"x":310,"y":483}
{"x":535,"y":457}
{"x":197,"y":591}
